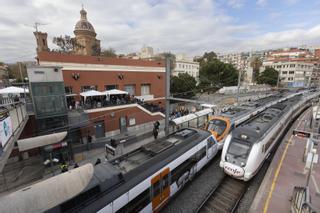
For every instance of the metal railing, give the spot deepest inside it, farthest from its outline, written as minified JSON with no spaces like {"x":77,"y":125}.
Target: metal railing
{"x":301,"y":200}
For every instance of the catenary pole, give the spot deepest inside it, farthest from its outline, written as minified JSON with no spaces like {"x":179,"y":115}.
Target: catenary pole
{"x":167,"y":85}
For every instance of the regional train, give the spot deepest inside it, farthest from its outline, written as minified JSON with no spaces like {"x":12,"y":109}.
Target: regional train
{"x":247,"y":147}
{"x":140,"y":181}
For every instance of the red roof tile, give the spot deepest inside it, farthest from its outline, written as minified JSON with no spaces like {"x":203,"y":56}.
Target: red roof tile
{"x":69,"y":58}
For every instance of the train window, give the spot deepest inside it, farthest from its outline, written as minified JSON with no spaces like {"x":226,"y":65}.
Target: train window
{"x":210,"y":142}
{"x":165,"y":181}
{"x":138,"y":203}
{"x":201,"y":154}
{"x":217,"y":126}
{"x":156,"y":188}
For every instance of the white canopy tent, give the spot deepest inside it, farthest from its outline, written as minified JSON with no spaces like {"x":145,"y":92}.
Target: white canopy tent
{"x":115,"y":92}
{"x":13,"y":90}
{"x":92,"y":93}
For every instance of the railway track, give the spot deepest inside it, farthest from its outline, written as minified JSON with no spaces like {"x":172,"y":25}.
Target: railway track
{"x":225,"y":197}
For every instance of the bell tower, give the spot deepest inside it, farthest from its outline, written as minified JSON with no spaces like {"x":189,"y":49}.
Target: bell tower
{"x":42,"y":44}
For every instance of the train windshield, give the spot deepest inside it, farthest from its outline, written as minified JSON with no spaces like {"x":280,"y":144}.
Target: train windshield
{"x":217,"y":126}
{"x":240,"y":150}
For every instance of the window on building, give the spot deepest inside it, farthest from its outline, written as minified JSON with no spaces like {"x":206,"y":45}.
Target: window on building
{"x":292,"y":65}
{"x":86,"y":88}
{"x":145,"y":89}
{"x":109,"y":87}
{"x":130,"y":88}
{"x":279,"y":66}
{"x":284,"y":72}
{"x":68,"y":89}
{"x":291,"y":72}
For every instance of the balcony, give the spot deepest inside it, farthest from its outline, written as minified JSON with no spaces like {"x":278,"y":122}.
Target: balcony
{"x":15,"y":117}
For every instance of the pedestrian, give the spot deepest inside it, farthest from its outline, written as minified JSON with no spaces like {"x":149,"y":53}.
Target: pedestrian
{"x":98,"y":161}
{"x":63,"y":167}
{"x":155,"y":133}
{"x":89,"y":138}
{"x":75,"y":165}
{"x":156,"y":125}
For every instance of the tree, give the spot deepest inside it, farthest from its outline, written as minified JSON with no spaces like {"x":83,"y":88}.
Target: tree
{"x":110,"y":52}
{"x":215,"y":73}
{"x":183,"y":85}
{"x":207,"y":57}
{"x":268,"y":76}
{"x":66,"y":43}
{"x":256,"y":63}
{"x":14,"y":71}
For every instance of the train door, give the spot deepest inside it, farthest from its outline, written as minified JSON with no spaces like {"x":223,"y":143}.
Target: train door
{"x":212,"y":147}
{"x":160,"y":189}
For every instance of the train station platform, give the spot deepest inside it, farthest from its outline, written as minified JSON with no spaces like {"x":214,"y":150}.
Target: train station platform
{"x":286,"y":171}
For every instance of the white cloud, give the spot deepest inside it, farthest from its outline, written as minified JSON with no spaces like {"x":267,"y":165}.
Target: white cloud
{"x":261,"y":2}
{"x":291,"y":2}
{"x":190,"y":26}
{"x":236,"y":3}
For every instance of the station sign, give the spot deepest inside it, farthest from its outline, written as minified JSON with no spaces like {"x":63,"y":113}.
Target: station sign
{"x":301,"y":134}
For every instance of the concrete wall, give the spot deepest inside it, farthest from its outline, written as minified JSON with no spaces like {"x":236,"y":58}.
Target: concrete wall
{"x":44,"y":74}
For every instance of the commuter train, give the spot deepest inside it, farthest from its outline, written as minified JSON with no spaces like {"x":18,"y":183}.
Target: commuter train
{"x":220,"y":127}
{"x":140,"y":181}
{"x":247,"y":147}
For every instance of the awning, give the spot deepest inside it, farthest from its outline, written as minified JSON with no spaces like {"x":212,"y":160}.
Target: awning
{"x":114,"y":92}
{"x":44,"y":140}
{"x":46,"y":194}
{"x":71,"y":95}
{"x":183,"y":119}
{"x":13,"y":90}
{"x":92,"y":93}
{"x":203,"y":112}
{"x":208,"y":105}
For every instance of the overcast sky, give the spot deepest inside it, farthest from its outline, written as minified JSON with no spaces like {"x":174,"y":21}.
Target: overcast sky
{"x":179,"y":26}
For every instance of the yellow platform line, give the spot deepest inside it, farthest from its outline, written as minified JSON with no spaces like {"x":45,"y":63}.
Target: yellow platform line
{"x":265,"y":209}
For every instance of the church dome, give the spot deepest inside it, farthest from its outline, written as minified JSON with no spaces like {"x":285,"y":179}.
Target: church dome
{"x":83,"y":24}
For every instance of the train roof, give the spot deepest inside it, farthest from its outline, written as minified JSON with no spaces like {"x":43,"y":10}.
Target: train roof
{"x":121,"y":174}
{"x":255,"y":128}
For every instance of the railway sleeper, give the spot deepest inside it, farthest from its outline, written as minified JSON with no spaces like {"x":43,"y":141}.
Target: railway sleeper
{"x":227,"y":196}
{"x":223,"y":204}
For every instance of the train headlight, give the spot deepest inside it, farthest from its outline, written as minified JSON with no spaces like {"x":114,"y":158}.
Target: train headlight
{"x":242,"y":164}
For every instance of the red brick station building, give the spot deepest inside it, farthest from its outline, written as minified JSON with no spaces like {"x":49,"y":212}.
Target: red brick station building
{"x":142,"y":80}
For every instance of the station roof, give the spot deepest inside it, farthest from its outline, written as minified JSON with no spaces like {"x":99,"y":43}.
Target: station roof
{"x":80,"y":59}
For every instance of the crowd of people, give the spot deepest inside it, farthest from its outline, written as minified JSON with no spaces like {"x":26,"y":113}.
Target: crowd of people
{"x":179,"y":113}
{"x":93,"y":102}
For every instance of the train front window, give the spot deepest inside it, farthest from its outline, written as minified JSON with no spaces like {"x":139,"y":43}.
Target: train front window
{"x":238,"y":150}
{"x":218,"y":126}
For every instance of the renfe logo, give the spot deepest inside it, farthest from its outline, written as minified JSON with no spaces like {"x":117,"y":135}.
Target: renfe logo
{"x":233,"y":170}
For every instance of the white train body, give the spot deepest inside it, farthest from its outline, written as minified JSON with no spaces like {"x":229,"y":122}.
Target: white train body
{"x":247,"y":147}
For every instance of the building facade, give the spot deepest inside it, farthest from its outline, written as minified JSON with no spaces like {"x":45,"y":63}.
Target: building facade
{"x":143,"y":80}
{"x":82,"y":70}
{"x":48,"y":97}
{"x":238,"y":60}
{"x":292,"y":73}
{"x":186,"y":65}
